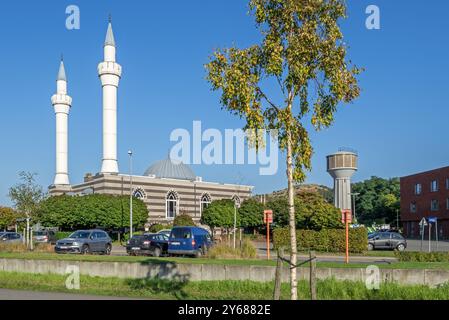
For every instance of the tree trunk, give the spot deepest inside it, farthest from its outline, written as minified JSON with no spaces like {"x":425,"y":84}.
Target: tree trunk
{"x":292,"y":220}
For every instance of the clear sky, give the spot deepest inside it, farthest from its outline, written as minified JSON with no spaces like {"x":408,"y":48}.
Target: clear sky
{"x":398,"y":125}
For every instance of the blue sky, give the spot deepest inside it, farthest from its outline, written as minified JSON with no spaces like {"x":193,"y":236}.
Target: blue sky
{"x":398,"y":125}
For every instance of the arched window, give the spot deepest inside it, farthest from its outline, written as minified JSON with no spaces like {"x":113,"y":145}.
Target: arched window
{"x":139,"y":193}
{"x":205,"y":201}
{"x":172,"y":205}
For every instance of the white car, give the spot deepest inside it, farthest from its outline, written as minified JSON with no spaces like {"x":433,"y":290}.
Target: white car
{"x":166,"y":232}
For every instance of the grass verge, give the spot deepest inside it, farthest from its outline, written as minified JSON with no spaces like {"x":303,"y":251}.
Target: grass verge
{"x":216,"y":290}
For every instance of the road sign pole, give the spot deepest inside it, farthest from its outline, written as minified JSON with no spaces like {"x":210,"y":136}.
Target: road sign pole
{"x":430,"y":236}
{"x":268,"y":239}
{"x":422,"y":237}
{"x":436,"y":232}
{"x":347,"y":216}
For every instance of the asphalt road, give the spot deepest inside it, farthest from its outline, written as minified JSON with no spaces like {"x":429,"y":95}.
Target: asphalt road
{"x":415,"y":245}
{"x":6,"y":294}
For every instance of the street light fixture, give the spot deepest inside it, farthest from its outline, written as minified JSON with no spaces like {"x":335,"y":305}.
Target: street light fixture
{"x":130,"y":153}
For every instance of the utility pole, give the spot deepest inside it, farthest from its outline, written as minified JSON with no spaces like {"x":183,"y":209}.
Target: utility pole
{"x":130,"y":153}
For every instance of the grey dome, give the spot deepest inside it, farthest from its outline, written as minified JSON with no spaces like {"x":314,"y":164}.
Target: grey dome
{"x":171,"y":169}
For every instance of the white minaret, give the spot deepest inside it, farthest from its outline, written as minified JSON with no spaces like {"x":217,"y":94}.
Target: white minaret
{"x":110,"y":73}
{"x":62,"y":104}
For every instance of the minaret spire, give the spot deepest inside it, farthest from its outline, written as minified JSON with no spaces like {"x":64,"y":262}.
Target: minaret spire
{"x":110,"y":73}
{"x":61,"y":104}
{"x":61,"y":72}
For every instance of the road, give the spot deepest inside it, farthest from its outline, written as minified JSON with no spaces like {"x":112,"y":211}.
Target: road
{"x":6,"y":294}
{"x":415,"y":245}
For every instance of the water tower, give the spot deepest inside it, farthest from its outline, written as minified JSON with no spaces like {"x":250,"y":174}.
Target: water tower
{"x":342,"y":166}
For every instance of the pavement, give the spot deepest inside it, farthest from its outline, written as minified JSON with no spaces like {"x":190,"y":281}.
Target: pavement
{"x":6,"y":294}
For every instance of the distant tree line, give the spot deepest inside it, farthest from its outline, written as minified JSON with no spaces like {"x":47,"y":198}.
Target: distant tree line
{"x":378,"y":200}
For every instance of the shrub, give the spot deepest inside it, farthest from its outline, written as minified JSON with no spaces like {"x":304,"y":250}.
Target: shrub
{"x":155,"y":228}
{"x":225,"y":251}
{"x":88,"y":212}
{"x":22,"y":248}
{"x":410,"y":256}
{"x":183,"y":220}
{"x":61,"y":235}
{"x":326,"y":240}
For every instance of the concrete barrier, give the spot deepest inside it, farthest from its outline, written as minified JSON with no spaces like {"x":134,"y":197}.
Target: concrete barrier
{"x":213,"y":272}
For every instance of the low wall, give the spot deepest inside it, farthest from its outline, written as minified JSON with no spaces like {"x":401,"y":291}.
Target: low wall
{"x":211,"y":272}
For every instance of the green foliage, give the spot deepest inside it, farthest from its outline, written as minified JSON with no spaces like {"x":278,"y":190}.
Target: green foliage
{"x":219,"y":213}
{"x":62,"y":235}
{"x":312,"y":211}
{"x":302,"y":50}
{"x":84,"y":212}
{"x":251,"y":214}
{"x":411,"y":256}
{"x":183,"y":220}
{"x":225,"y":251}
{"x":155,"y":228}
{"x":8,"y":217}
{"x":326,"y":240}
{"x":26,"y":195}
{"x":378,"y":201}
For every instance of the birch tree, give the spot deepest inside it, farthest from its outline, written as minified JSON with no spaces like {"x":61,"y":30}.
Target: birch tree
{"x":302,"y":54}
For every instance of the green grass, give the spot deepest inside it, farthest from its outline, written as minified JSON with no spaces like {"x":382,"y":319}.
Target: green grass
{"x":216,"y":290}
{"x":247,"y":262}
{"x":139,"y":259}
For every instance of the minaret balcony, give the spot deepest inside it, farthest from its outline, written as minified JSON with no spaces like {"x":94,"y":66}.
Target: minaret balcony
{"x":109,"y":67}
{"x":61,"y":99}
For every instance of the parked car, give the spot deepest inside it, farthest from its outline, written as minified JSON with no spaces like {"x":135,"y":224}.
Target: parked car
{"x":191,"y":241}
{"x":84,"y":242}
{"x":10,"y":237}
{"x":148,"y":244}
{"x":166,"y":232}
{"x":44,"y":236}
{"x":387,"y":241}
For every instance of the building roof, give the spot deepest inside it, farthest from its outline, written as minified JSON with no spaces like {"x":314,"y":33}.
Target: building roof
{"x":171,"y":169}
{"x":61,"y":73}
{"x":109,"y":41}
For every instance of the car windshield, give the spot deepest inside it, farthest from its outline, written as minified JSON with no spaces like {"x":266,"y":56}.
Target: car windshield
{"x":372,"y":235}
{"x":40,"y":233}
{"x":80,"y":235}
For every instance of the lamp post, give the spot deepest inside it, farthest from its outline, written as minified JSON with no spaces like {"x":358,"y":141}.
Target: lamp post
{"x":353,"y":204}
{"x":130,"y":153}
{"x":236,"y":206}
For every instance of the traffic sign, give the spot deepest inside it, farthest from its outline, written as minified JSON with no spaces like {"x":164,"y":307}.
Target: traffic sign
{"x":268,"y":216}
{"x":433,"y":219}
{"x":423,"y":223}
{"x":346,"y":216}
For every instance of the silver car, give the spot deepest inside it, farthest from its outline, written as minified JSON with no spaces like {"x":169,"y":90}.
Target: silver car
{"x":84,"y":242}
{"x":10,"y":237}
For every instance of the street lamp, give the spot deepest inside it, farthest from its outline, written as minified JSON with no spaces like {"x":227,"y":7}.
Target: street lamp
{"x":236,"y":206}
{"x":130,"y":153}
{"x":353,"y":204}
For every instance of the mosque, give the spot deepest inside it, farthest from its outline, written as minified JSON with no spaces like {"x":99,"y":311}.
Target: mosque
{"x":168,"y":188}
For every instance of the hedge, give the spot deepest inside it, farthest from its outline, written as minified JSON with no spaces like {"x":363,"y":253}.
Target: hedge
{"x":91,"y":211}
{"x":62,"y":235}
{"x":411,"y":256}
{"x":326,"y":240}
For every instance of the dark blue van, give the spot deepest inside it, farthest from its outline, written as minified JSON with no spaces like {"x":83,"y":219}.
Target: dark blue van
{"x":191,"y":241}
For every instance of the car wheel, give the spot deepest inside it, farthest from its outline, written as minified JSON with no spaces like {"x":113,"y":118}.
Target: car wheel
{"x":370,"y":247}
{"x":400,"y":247}
{"x":108,"y":249}
{"x":157,"y":252}
{"x":85,"y":249}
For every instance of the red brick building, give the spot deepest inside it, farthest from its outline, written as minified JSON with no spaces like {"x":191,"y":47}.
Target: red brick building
{"x":425,"y":195}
